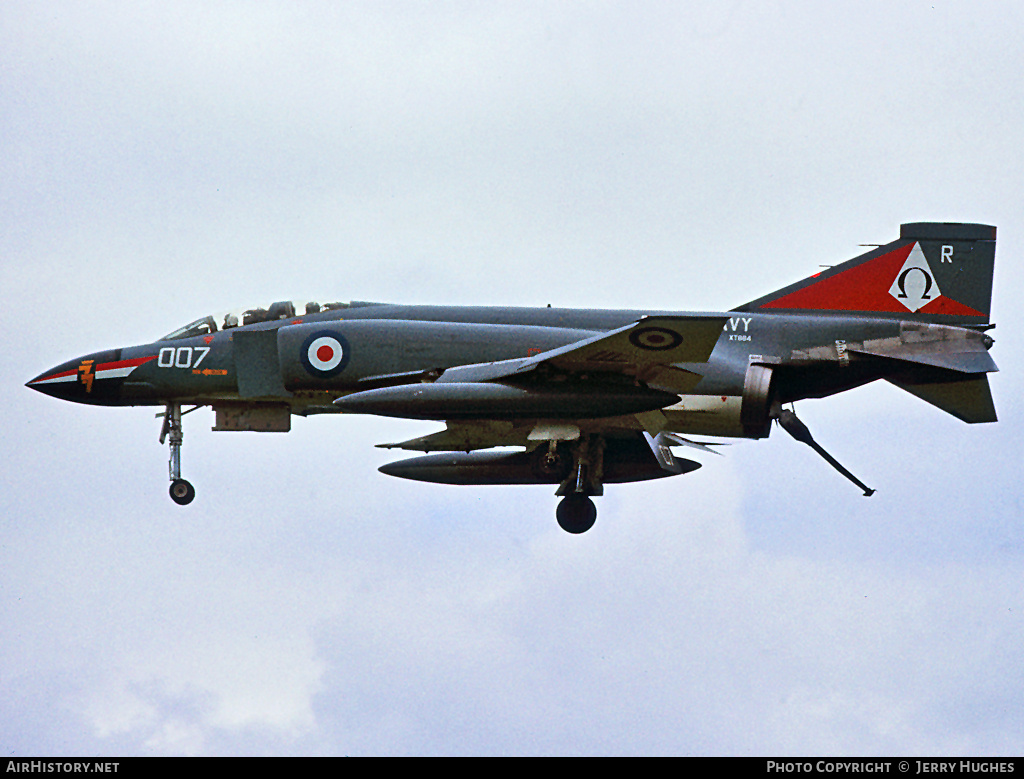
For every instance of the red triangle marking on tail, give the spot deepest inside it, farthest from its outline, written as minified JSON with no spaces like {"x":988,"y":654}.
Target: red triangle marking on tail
{"x":864,"y":287}
{"x":948,"y":306}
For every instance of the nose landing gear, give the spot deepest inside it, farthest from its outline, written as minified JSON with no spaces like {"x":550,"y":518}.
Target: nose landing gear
{"x":181,"y":491}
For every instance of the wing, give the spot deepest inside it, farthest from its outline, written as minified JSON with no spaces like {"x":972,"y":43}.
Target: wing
{"x":648,"y":350}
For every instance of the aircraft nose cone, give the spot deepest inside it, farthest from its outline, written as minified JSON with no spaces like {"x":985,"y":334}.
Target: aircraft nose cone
{"x":76,"y":380}
{"x":58,"y":382}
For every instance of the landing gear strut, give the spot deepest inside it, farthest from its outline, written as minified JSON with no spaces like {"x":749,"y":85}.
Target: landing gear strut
{"x":182,"y":492}
{"x":576,"y":513}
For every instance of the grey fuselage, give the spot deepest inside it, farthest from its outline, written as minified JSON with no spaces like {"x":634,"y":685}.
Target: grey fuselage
{"x":391,"y":345}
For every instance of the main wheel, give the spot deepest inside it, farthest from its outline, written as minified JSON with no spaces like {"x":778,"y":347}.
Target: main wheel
{"x":576,"y":514}
{"x":182,"y":492}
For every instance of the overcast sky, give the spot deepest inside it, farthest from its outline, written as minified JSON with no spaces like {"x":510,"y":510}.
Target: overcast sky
{"x":161,"y":161}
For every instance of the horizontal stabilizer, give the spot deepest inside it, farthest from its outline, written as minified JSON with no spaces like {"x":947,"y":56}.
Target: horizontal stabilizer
{"x":957,"y":349}
{"x":966,"y":399}
{"x":965,"y":361}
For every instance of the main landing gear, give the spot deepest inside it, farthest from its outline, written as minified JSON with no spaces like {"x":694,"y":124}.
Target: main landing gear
{"x":182,"y":492}
{"x":576,"y":513}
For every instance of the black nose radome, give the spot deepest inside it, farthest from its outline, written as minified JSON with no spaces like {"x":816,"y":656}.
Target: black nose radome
{"x":94,"y":379}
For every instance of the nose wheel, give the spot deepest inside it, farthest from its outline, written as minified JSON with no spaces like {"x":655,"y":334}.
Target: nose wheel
{"x":182,"y":492}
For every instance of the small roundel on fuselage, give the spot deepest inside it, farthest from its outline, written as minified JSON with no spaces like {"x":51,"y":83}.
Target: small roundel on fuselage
{"x":324,"y":354}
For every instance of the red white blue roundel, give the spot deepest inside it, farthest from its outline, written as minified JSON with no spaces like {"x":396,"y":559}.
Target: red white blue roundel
{"x":324,"y":354}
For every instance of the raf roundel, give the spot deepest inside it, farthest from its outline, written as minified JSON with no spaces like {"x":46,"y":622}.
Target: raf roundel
{"x":655,"y":339}
{"x":325,"y":354}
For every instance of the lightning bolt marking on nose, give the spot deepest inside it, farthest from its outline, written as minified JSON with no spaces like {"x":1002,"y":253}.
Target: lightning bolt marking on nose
{"x":86,"y":375}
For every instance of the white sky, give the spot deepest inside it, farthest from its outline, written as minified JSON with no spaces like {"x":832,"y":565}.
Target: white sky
{"x":164,"y":160}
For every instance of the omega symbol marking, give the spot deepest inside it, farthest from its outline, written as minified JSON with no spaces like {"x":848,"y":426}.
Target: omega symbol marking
{"x":902,"y":282}
{"x":915,"y":284}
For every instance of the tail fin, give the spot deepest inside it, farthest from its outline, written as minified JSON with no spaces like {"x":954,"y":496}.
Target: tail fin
{"x":936,"y":272}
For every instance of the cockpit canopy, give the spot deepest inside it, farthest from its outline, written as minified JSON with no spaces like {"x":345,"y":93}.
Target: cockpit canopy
{"x":283,"y":309}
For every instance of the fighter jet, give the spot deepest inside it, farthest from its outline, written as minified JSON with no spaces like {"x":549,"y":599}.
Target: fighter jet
{"x":583,"y":398}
